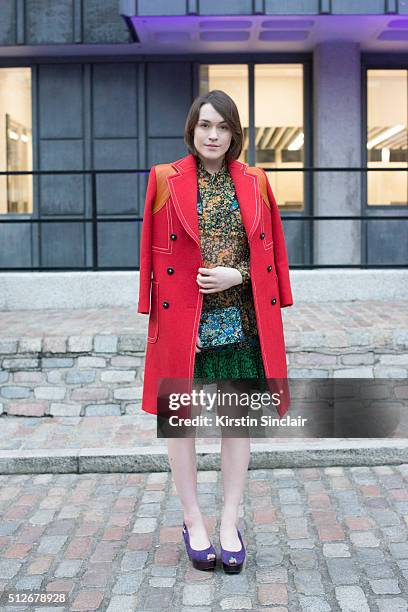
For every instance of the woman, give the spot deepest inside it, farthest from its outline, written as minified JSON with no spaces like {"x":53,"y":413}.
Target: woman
{"x":212,"y":258}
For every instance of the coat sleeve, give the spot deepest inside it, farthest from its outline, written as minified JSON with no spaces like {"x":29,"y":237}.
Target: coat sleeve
{"x":280,"y":253}
{"x":146,"y":246}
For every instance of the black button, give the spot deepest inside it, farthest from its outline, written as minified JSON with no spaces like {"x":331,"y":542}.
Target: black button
{"x":269,"y":268}
{"x":262,"y":236}
{"x":273,"y":301}
{"x":170,"y":270}
{"x":166,"y":304}
{"x":173,"y":236}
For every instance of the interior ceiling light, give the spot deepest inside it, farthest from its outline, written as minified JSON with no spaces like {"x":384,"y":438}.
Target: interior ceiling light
{"x":384,"y":135}
{"x":297,"y":142}
{"x":385,"y":155}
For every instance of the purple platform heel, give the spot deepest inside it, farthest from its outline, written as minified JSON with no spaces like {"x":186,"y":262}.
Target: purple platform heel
{"x":205,"y":559}
{"x":233,"y":560}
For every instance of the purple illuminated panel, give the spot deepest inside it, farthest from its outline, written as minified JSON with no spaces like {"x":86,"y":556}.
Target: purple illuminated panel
{"x":171,"y":36}
{"x":398,"y":23}
{"x":394,"y":35}
{"x":223,"y":36}
{"x":283,"y":35}
{"x":225,"y":25}
{"x":288,"y":23}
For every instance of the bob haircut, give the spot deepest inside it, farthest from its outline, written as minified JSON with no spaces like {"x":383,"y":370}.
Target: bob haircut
{"x":226,"y":107}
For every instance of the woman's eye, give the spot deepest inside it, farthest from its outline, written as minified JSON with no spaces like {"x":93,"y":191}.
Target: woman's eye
{"x":204,"y":125}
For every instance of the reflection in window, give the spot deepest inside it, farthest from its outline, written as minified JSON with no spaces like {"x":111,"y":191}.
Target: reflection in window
{"x":387,"y":120}
{"x":279,"y":131}
{"x":233,"y":79}
{"x":16,"y":192}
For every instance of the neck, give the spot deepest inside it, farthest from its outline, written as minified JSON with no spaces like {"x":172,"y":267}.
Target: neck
{"x":212,"y":166}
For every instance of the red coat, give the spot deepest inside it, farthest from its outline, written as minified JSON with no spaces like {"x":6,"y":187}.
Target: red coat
{"x":169,"y":260}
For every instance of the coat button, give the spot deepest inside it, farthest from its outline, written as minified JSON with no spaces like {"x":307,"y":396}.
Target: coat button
{"x":262,"y":235}
{"x":273,"y":301}
{"x":170,"y":270}
{"x":269,"y":268}
{"x":173,"y":236}
{"x":166,"y":304}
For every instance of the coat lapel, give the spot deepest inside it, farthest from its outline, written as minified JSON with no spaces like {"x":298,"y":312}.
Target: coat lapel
{"x":247,"y":191}
{"x":183,"y":190}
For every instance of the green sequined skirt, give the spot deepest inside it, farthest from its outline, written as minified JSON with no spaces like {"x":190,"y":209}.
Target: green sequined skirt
{"x":230,"y":363}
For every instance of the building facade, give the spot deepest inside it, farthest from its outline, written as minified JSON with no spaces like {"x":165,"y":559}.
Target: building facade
{"x":92,"y":93}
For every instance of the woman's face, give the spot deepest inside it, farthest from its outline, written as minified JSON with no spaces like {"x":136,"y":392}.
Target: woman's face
{"x":211,"y":129}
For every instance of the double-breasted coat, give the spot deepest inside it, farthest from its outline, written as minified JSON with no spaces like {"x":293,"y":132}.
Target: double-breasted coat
{"x":170,"y":256}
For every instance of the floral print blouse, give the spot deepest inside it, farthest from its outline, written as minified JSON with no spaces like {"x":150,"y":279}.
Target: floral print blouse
{"x":223,"y":242}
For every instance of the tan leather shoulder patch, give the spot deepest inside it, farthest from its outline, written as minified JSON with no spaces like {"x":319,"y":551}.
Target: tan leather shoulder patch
{"x":162,"y":189}
{"x":262,"y":183}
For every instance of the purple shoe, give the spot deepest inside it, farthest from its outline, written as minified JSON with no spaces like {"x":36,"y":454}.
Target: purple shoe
{"x":233,"y":560}
{"x":201,"y":559}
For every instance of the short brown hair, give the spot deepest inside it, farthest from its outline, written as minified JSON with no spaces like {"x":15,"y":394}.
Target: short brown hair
{"x":226,"y":107}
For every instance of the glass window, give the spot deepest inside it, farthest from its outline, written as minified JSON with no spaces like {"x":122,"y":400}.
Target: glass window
{"x":233,"y":79}
{"x":16,"y":192}
{"x":387,"y":120}
{"x":279,"y":132}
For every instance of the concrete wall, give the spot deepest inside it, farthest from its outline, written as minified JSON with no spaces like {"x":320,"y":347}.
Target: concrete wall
{"x":39,"y":22}
{"x":267,"y":7}
{"x":337,"y":142}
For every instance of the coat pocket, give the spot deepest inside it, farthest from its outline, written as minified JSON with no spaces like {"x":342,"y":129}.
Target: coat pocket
{"x":153,"y":328}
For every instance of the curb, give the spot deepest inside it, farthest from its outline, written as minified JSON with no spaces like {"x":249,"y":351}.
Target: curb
{"x":320,"y":453}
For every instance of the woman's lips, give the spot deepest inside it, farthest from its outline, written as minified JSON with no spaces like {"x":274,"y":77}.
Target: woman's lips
{"x":212,"y":146}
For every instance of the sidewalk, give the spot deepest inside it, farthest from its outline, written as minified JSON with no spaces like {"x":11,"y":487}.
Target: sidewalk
{"x":70,"y":388}
{"x":89,"y":508}
{"x":318,"y":539}
{"x":129,"y":443}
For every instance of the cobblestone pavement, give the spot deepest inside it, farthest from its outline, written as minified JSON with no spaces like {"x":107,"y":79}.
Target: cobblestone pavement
{"x":78,"y":432}
{"x":50,"y":434}
{"x":126,"y":431}
{"x":318,"y":539}
{"x":318,"y":316}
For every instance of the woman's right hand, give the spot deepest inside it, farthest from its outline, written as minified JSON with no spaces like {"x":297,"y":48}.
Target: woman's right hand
{"x":198,"y":345}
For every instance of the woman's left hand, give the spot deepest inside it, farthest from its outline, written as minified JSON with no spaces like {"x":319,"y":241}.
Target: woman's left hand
{"x":220,"y":278}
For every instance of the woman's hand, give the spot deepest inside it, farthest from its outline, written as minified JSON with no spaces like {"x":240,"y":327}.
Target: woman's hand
{"x":198,"y":345}
{"x":220,"y":278}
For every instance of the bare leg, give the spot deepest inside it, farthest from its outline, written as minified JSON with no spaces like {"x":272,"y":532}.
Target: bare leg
{"x":183,"y":463}
{"x":235,"y":456}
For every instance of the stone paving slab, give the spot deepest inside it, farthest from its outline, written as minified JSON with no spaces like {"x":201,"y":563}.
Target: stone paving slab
{"x":129,"y":443}
{"x":317,"y":539}
{"x":301,"y":317}
{"x":104,"y":432}
{"x":282,"y":454}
